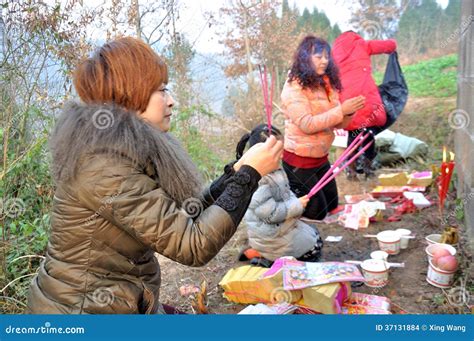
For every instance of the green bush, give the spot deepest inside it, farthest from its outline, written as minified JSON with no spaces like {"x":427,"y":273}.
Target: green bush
{"x":26,"y":191}
{"x":198,"y":145}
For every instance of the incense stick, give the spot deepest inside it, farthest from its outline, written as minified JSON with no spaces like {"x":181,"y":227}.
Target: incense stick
{"x":267,"y":101}
{"x":345,"y":155}
{"x":349,"y":150}
{"x":317,"y":188}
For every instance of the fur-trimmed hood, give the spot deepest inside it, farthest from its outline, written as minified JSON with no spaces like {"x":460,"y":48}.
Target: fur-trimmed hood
{"x":85,"y":128}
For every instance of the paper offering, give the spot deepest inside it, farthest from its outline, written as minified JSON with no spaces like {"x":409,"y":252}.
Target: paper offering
{"x":298,"y":275}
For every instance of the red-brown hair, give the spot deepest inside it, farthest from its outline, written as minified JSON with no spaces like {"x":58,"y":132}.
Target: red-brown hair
{"x":125,"y":71}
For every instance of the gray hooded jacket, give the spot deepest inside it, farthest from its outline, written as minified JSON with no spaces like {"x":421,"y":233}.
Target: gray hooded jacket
{"x":274,"y":227}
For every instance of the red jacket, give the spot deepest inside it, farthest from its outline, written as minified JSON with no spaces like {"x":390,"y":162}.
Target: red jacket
{"x":352,"y":55}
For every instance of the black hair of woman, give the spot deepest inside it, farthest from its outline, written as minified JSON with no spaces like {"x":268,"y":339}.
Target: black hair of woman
{"x":257,"y":135}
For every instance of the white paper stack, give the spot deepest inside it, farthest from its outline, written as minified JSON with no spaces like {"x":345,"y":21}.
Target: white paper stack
{"x":418,"y":199}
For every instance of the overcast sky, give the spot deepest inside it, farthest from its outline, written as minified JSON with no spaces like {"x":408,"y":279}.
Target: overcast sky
{"x":193,"y":22}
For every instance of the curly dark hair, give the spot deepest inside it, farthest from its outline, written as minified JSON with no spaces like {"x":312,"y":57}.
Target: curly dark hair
{"x":302,"y":69}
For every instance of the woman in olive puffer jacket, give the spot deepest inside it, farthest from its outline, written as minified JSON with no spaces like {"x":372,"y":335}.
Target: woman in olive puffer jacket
{"x":127,"y":189}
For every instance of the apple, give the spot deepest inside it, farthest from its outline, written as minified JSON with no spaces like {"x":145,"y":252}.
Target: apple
{"x":440,"y":252}
{"x":446,"y":263}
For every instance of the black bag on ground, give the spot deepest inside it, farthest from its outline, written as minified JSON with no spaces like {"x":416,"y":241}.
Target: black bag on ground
{"x":393,"y":90}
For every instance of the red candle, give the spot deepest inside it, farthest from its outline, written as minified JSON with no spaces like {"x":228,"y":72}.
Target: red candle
{"x":446,"y":173}
{"x":441,"y":180}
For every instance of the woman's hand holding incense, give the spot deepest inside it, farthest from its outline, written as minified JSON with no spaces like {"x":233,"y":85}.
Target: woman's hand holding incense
{"x":263,"y":157}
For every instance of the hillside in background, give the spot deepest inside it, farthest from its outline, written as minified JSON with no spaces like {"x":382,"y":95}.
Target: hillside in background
{"x":434,"y":77}
{"x":430,"y":78}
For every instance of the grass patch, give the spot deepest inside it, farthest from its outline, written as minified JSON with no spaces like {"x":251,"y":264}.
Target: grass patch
{"x":431,"y":78}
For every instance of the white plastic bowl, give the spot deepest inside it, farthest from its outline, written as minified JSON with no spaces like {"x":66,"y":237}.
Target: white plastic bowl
{"x":375,"y":272}
{"x":439,"y":278}
{"x":433,"y":239}
{"x":379,"y":254}
{"x":429,"y":249}
{"x":389,"y":241}
{"x":403,"y":241}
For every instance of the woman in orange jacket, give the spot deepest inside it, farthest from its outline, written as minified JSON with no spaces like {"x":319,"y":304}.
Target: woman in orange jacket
{"x":310,"y":102}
